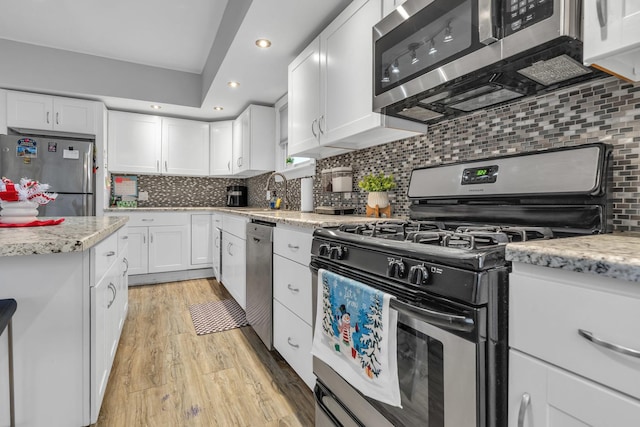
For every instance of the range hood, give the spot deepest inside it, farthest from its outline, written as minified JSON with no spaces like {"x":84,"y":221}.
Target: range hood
{"x":540,"y":58}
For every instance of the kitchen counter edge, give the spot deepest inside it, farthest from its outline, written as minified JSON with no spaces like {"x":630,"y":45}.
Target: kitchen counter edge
{"x":295,"y":218}
{"x":615,"y":255}
{"x":75,"y":234}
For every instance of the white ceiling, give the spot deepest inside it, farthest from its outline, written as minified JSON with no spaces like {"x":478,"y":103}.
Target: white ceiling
{"x":188,"y":50}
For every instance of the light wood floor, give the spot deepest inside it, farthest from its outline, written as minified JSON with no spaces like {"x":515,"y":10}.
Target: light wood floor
{"x":166,"y":375}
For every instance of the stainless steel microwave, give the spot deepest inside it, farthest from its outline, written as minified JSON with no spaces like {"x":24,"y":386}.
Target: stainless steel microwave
{"x":436,"y":59}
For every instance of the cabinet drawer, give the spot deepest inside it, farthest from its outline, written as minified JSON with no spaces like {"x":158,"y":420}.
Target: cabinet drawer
{"x":106,"y":254}
{"x":236,"y":225}
{"x":559,"y":398}
{"x":546,"y":311}
{"x":292,"y":286}
{"x":293,"y":244}
{"x":292,"y":338}
{"x":148,"y":219}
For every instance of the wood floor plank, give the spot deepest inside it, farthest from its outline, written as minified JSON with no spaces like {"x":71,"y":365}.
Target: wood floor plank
{"x":166,"y":375}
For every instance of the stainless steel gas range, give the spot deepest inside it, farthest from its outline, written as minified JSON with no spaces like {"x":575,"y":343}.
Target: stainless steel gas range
{"x":446,"y":269}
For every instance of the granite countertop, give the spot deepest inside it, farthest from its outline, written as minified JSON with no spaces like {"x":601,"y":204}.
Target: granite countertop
{"x":614,"y":255}
{"x":297,"y":218}
{"x":75,"y":234}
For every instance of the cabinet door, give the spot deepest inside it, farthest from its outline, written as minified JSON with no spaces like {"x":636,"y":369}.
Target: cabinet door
{"x":241,"y":140}
{"x":101,"y":294}
{"x":293,"y":338}
{"x":134,"y":143}
{"x":220,"y":158}
{"x":201,"y":242}
{"x":234,"y":272}
{"x":74,"y":115}
{"x":28,"y":110}
{"x":216,"y":223}
{"x":544,"y":396}
{"x":304,"y":99}
{"x":138,"y":251}
{"x":185,"y":147}
{"x":346,"y":79}
{"x":168,"y":248}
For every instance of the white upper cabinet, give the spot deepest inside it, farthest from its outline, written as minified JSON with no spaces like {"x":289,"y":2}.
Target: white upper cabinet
{"x":44,"y":112}
{"x":140,"y":143}
{"x":612,"y":36}
{"x":331,"y":90}
{"x":134,"y":143}
{"x":253,"y":136}
{"x":221,"y":134}
{"x":185,"y":147}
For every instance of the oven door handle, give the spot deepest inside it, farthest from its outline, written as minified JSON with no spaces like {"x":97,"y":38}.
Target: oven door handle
{"x":437,"y":318}
{"x":319,"y":392}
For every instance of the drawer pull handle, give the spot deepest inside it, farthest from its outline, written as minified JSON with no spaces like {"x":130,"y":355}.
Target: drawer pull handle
{"x":292,"y":289}
{"x":110,"y":253}
{"x":112,"y":288}
{"x":293,"y":247}
{"x":614,"y":347}
{"x":125,"y":237}
{"x":524,"y":404}
{"x":292,"y":344}
{"x":126,"y":263}
{"x":147,"y":219}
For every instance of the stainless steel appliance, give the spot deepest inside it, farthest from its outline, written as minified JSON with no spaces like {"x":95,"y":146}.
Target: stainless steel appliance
{"x":65,"y":164}
{"x":236,"y":195}
{"x":447,"y":270}
{"x":436,"y":59}
{"x":260,"y":280}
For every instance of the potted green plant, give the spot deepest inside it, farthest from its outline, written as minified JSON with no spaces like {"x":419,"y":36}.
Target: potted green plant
{"x":378,"y":186}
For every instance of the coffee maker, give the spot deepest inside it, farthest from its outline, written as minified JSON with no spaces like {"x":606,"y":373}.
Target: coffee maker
{"x":236,"y":195}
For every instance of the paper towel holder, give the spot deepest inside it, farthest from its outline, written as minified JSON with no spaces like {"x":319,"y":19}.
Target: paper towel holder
{"x":306,"y":194}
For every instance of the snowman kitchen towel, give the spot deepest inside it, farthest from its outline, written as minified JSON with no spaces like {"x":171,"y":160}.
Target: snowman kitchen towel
{"x":355,"y":334}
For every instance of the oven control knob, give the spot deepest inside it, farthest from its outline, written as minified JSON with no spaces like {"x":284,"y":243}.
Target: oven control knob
{"x":418,"y":275}
{"x":337,"y":252}
{"x":323,"y":249}
{"x":396,"y":268}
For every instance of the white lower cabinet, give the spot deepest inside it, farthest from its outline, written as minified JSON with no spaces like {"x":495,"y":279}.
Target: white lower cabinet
{"x":567,"y":335}
{"x":292,"y":304}
{"x":234,"y":270}
{"x":168,"y":248}
{"x":216,"y":243}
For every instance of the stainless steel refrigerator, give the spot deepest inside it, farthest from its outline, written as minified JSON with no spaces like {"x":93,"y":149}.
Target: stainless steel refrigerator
{"x":65,"y":164}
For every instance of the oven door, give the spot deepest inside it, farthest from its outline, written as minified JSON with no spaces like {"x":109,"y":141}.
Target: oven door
{"x":423,"y":35}
{"x":440,"y":370}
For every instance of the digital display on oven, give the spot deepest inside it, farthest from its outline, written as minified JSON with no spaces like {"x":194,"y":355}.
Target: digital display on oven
{"x":481,"y":175}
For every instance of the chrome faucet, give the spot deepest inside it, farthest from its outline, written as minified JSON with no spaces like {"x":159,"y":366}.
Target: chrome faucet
{"x":284,"y":179}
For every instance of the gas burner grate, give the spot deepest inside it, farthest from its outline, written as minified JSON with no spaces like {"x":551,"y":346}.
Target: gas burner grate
{"x":515,"y":233}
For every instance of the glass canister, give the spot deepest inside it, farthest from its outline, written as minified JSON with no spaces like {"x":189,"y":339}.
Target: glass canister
{"x":325,"y":180}
{"x":342,"y":179}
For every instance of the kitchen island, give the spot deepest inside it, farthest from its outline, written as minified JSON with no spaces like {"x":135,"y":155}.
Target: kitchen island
{"x":70,"y":284}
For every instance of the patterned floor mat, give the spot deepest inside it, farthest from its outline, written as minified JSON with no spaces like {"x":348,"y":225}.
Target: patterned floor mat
{"x":217,"y":316}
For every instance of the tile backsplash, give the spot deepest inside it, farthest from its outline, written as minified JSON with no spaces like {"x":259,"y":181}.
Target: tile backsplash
{"x":607,"y":110}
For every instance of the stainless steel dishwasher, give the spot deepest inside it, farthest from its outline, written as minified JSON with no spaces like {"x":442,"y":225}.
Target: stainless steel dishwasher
{"x":260,"y":280}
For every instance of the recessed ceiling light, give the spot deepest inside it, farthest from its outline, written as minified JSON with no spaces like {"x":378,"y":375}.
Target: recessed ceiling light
{"x":218,"y":108}
{"x":155,"y":107}
{"x":233,"y":84}
{"x":263,"y":43}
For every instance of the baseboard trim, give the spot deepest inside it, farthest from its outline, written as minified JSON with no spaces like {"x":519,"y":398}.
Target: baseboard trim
{"x":170,"y":276}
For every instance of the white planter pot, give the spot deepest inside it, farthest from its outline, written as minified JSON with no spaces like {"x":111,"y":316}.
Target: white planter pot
{"x":380,"y":198}
{"x":18,"y":212}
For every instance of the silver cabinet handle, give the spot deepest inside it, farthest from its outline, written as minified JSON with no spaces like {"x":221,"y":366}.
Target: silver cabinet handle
{"x":239,"y":161}
{"x":229,"y":165}
{"x":125,"y":237}
{"x":147,"y":219}
{"x":229,"y":249}
{"x":613,"y":347}
{"x":292,"y":344}
{"x":126,"y":263}
{"x":57,"y":118}
{"x":313,"y":129}
{"x":293,"y":247}
{"x":216,"y":244}
{"x":486,"y":32}
{"x":114,"y":290}
{"x":292,"y":289}
{"x":601,"y":8}
{"x":166,"y":166}
{"x":320,"y":122}
{"x":150,"y":237}
{"x":144,"y":239}
{"x":110,"y":253}
{"x":524,"y":404}
{"x":48,"y":113}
